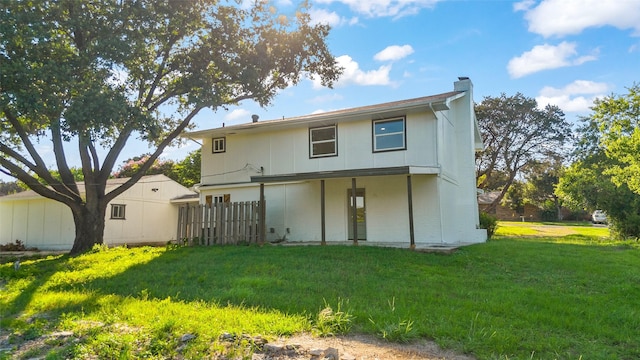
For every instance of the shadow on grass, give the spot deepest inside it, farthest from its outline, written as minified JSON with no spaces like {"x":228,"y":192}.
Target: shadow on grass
{"x":35,"y":273}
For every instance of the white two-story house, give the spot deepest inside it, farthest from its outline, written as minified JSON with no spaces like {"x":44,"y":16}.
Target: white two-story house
{"x":399,"y":173}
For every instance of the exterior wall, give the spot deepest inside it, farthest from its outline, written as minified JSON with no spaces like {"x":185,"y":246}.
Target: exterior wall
{"x":286,"y":151}
{"x":40,"y":223}
{"x":149,"y":216}
{"x":48,"y":225}
{"x":296,"y":206}
{"x":458,"y":181}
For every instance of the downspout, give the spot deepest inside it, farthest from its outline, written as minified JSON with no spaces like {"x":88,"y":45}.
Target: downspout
{"x":439,"y":181}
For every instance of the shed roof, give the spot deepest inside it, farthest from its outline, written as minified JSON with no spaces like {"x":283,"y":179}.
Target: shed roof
{"x":111,"y":183}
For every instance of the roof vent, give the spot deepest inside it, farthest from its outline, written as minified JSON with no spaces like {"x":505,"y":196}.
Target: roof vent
{"x":255,"y":118}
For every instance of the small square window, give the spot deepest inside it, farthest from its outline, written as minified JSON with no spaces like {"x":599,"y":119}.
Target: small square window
{"x":323,"y":141}
{"x":219,"y":145}
{"x":117,"y":211}
{"x":215,"y":199}
{"x":389,"y":135}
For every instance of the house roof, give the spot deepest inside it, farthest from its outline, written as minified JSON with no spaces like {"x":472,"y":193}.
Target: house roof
{"x":111,"y":183}
{"x":488,"y":197}
{"x":435,"y":102}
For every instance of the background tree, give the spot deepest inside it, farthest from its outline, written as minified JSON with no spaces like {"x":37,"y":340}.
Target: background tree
{"x":541,"y":182}
{"x":9,"y":187}
{"x":618,"y":120}
{"x":515,"y":197}
{"x":132,"y":166}
{"x":186,"y":171}
{"x":516,"y":134}
{"x":98,"y":73}
{"x":595,"y":180}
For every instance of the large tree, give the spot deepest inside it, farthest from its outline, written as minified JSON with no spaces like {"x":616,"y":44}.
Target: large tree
{"x":604,"y":174}
{"x":618,"y":121}
{"x":516,"y":134}
{"x":97,"y":73}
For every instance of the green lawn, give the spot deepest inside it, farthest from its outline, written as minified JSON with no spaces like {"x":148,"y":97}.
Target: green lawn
{"x":526,"y":294}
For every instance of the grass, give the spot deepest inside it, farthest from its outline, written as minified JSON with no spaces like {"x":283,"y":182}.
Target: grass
{"x":536,"y":291}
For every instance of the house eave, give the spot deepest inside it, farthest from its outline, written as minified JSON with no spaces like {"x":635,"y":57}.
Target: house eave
{"x":349,"y":173}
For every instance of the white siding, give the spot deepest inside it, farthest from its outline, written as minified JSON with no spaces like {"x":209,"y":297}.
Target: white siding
{"x":286,"y":151}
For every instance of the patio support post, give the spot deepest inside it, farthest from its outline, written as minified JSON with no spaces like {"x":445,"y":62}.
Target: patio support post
{"x":323,"y":213}
{"x":354,"y":211}
{"x":410,"y":202}
{"x":263,"y":225}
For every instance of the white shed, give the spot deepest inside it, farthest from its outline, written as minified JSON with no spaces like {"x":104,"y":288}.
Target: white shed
{"x":146,"y":213}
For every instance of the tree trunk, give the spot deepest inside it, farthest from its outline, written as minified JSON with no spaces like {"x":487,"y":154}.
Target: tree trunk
{"x":556,"y":202}
{"x":89,"y":220}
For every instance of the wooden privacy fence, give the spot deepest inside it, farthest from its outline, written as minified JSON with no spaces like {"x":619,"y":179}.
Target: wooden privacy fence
{"x":220,"y":223}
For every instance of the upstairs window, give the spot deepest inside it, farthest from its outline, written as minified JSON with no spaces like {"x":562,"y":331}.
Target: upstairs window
{"x":117,"y":211}
{"x":219,"y":145}
{"x":389,"y":135}
{"x":323,"y":141}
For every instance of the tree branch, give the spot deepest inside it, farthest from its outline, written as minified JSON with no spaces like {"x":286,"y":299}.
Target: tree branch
{"x":114,"y":152}
{"x":61,"y":161}
{"x":147,"y":164}
{"x":41,"y":167}
{"x":35,"y":185}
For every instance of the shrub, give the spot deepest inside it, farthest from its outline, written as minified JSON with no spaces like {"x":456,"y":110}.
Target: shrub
{"x":17,"y":246}
{"x":488,"y":222}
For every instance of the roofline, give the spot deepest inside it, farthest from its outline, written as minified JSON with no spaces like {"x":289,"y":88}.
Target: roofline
{"x":331,"y":116}
{"x":111,"y":183}
{"x":350,"y":173}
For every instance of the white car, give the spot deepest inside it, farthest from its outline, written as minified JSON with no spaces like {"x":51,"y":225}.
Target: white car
{"x":599,"y":217}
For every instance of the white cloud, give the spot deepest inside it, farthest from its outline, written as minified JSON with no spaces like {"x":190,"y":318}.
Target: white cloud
{"x":322,"y":16}
{"x":394,"y":52}
{"x":575,"y":97}
{"x":382,"y":8}
{"x":523,"y":5}
{"x":353,"y":75}
{"x":238,"y":116}
{"x":544,"y":57}
{"x":570,"y":17}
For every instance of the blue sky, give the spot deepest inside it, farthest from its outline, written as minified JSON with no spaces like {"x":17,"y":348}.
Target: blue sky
{"x":564,"y":52}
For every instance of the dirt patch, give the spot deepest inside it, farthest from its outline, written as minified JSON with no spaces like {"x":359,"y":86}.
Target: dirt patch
{"x":364,"y":347}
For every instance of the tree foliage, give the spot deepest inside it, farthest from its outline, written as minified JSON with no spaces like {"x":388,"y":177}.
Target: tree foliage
{"x":604,"y":158}
{"x":132,"y":166}
{"x":10,"y":187}
{"x":92,"y":75}
{"x":541,"y":182}
{"x":186,"y":171}
{"x":618,"y":121}
{"x":516,"y":134}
